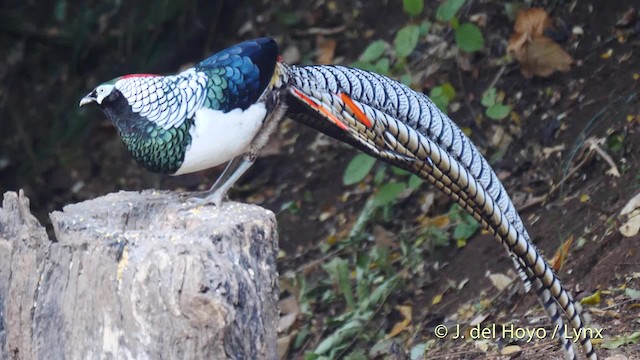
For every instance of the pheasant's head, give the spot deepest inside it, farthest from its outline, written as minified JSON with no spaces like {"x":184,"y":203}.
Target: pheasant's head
{"x":102,"y":95}
{"x":116,"y":96}
{"x":109,"y":98}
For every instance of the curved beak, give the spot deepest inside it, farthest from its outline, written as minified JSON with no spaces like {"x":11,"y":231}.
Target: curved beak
{"x":91,"y":97}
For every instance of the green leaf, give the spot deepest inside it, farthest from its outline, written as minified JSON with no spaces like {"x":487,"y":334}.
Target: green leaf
{"x":448,"y":9}
{"x":441,"y":102}
{"x":368,"y":210}
{"x":388,"y":193}
{"x":419,"y":352}
{"x":437,"y":237}
{"x":374,"y":51}
{"x":363,"y":275}
{"x":338,"y":269}
{"x":364,"y":65}
{"x":406,"y":79}
{"x":382,"y":66}
{"x":287,"y":18}
{"x":381,"y":292}
{"x":615,"y":142}
{"x":469,"y":37}
{"x":380,"y":256}
{"x":439,"y":98}
{"x":400,"y":172}
{"x":489,"y":97}
{"x":341,"y":337}
{"x":358,"y":169}
{"x":467,"y":227}
{"x":291,"y":206}
{"x":356,"y":355}
{"x":413,"y":7}
{"x":301,"y":338}
{"x":455,"y":23}
{"x":425,"y":26}
{"x":621,"y":340}
{"x":448,"y":90}
{"x":380,"y":175}
{"x":437,"y":92}
{"x":632,"y":293}
{"x":415,"y":181}
{"x":498,"y":111}
{"x":464,"y":231}
{"x":442,"y":95}
{"x":406,"y":40}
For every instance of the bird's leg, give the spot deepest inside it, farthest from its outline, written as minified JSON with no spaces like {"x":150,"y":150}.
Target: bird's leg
{"x":234,"y":170}
{"x":239,"y":165}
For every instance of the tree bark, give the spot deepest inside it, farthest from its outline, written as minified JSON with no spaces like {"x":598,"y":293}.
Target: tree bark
{"x":134,"y":275}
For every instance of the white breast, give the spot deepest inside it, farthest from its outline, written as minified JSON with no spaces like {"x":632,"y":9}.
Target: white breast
{"x":218,"y":137}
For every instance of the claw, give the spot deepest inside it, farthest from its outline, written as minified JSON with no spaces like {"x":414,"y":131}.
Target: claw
{"x":214,"y":199}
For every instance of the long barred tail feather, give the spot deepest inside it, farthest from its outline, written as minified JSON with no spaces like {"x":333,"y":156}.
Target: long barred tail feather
{"x":390,"y":121}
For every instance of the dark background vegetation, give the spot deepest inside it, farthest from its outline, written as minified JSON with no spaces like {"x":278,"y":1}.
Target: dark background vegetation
{"x":55,"y":51}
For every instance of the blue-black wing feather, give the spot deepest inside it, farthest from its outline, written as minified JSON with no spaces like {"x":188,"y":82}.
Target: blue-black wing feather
{"x":239,"y":74}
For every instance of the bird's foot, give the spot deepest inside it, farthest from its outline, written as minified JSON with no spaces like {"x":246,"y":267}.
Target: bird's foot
{"x":210,"y":198}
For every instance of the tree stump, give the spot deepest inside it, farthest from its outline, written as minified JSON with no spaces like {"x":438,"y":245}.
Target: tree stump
{"x":135,"y":275}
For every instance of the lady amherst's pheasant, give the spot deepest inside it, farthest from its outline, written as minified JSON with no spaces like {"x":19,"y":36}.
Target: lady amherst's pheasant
{"x":225,"y":108}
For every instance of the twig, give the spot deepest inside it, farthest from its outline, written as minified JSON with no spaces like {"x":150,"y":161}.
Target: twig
{"x":497,"y":77}
{"x":618,"y":304}
{"x":322,"y":31}
{"x":594,"y":144}
{"x":579,"y":143}
{"x":304,"y":267}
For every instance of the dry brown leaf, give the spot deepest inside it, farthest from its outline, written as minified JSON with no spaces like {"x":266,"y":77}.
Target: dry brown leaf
{"x":548,"y":151}
{"x":532,"y":22}
{"x":400,"y":326}
{"x":384,"y":237}
{"x":632,"y":226}
{"x":560,"y":257}
{"x":500,"y":281}
{"x":286,"y":322}
{"x":289,"y":310}
{"x":511,"y":350}
{"x":634,"y":203}
{"x":283,"y":343}
{"x":542,"y":57}
{"x":326,"y":50}
{"x":440,"y":221}
{"x":537,"y":54}
{"x":478,"y":319}
{"x":482,"y":345}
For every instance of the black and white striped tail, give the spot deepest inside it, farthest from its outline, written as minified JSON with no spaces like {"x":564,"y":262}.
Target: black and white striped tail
{"x":405,"y":128}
